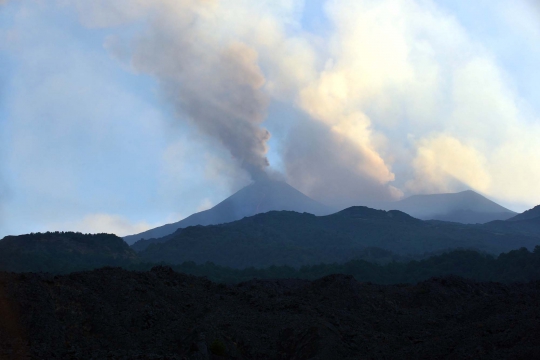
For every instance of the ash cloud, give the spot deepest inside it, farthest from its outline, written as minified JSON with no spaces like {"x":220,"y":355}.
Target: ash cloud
{"x":214,"y":83}
{"x":328,"y":167}
{"x":223,"y":98}
{"x":397,"y":94}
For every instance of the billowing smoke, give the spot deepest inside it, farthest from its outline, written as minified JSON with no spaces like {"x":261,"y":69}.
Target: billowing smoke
{"x":399,"y":98}
{"x":332,"y":169}
{"x":211,"y":80}
{"x":411,"y":102}
{"x":221,"y":94}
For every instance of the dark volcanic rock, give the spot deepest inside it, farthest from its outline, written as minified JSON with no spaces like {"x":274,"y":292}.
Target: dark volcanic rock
{"x":116,"y":314}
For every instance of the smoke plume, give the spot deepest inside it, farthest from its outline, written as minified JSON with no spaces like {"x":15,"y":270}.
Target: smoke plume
{"x":211,"y":80}
{"x":332,"y":169}
{"x":399,"y":98}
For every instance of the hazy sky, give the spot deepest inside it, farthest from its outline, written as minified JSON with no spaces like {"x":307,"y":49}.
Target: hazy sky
{"x":120,"y":115}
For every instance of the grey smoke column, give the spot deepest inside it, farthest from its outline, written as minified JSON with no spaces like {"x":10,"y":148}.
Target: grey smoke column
{"x":216,"y":83}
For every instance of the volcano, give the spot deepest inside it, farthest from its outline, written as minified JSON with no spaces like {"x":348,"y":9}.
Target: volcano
{"x":467,"y":207}
{"x":261,"y":196}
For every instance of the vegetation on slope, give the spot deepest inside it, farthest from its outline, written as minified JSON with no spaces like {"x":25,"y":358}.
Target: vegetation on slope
{"x":515,"y":266}
{"x":63,"y":252}
{"x":68,"y":252}
{"x":293,"y":239}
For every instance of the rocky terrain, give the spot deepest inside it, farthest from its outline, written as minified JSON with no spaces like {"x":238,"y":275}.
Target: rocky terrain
{"x":116,"y":314}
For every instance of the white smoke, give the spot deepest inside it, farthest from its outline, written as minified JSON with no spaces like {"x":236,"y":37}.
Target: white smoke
{"x":426,"y":107}
{"x":400,"y":98}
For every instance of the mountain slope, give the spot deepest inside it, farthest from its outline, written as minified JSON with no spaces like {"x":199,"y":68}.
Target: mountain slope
{"x":527,"y":215}
{"x":259,"y":197}
{"x":529,"y":227}
{"x":289,"y":238}
{"x":527,"y":223}
{"x":465,"y":207}
{"x":63,"y":252}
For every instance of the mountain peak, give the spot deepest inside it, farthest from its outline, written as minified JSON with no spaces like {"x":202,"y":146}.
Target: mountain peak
{"x":468,"y":193}
{"x":364,"y":212}
{"x":465,"y":207}
{"x":266,"y":195}
{"x":260,"y":196}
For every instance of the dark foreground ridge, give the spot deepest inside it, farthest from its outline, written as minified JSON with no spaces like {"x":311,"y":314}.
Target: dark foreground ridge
{"x":160,"y":314}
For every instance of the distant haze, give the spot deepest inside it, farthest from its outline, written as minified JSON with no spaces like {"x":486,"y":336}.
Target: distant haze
{"x":120,"y":115}
{"x":465,"y":207}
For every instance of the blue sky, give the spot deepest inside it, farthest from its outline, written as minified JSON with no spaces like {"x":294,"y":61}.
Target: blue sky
{"x":364,"y":101}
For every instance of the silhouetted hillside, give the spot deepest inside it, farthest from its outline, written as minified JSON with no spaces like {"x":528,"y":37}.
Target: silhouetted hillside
{"x":260,"y":197}
{"x":66,"y":252}
{"x":116,"y":314}
{"x":530,"y":214}
{"x":465,"y":207}
{"x":527,"y":223}
{"x":63,"y":252}
{"x":373,"y":266}
{"x":529,"y":227}
{"x":289,"y":238}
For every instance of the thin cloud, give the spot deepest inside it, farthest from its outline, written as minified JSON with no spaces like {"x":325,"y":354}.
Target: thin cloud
{"x":104,"y":223}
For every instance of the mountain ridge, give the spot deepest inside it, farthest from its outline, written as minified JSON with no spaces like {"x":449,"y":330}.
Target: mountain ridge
{"x":466,"y":207}
{"x":294,"y":239}
{"x":65,"y":251}
{"x":259,"y":197}
{"x":527,"y":215}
